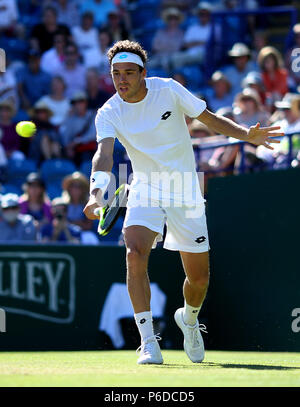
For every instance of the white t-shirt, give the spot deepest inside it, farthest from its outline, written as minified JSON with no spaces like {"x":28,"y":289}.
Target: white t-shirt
{"x":85,"y":40}
{"x":156,"y":138}
{"x":197,"y":32}
{"x":50,"y":61}
{"x":60,"y":109}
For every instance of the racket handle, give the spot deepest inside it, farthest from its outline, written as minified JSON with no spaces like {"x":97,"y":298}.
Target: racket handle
{"x":97,"y":211}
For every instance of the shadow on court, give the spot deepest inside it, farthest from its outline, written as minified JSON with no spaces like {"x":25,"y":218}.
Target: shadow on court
{"x":228,"y":366}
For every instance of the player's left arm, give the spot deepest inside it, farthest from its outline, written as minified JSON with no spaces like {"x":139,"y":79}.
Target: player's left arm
{"x":255,"y":134}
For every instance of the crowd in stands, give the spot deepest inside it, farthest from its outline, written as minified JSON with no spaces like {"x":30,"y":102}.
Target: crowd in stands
{"x":57,"y":74}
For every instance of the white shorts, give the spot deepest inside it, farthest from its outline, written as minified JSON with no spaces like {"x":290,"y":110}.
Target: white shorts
{"x":186,"y":227}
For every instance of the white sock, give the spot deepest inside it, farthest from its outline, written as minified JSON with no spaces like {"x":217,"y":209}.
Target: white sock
{"x":144,"y":324}
{"x":190,"y":314}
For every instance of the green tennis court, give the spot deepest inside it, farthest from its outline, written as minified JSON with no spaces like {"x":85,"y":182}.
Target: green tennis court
{"x":119,"y":369}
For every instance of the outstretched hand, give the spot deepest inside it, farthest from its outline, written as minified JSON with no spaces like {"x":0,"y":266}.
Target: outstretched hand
{"x":261,"y":136}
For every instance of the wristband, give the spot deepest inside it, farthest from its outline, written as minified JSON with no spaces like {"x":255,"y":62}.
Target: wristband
{"x":101,"y":180}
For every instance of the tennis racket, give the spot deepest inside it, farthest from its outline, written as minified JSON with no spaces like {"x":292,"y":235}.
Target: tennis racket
{"x":110,"y":213}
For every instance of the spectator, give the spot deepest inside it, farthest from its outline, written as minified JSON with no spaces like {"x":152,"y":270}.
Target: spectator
{"x":59,"y":229}
{"x":167,"y":40}
{"x":8,"y":86}
{"x":85,"y":35}
{"x":34,"y":201}
{"x":201,"y":135}
{"x":223,"y":158}
{"x":33,"y":82}
{"x":260,"y":40}
{"x":72,"y":71}
{"x":76,"y":193}
{"x":97,"y":57}
{"x":15,"y":227}
{"x":289,"y":109}
{"x":254,"y":81}
{"x":53,"y":58}
{"x":249,"y":110}
{"x":57,"y":102}
{"x":287,"y":116}
{"x":45,"y":143}
{"x":8,"y":17}
{"x":99,"y":8}
{"x":195,"y":38}
{"x":10,"y":140}
{"x":96,"y":96}
{"x":42,"y":34}
{"x":222,"y":95}
{"x":292,"y":58}
{"x":67,"y":12}
{"x":274,"y":76}
{"x":77,"y":132}
{"x":116,"y":27}
{"x":241,"y":66}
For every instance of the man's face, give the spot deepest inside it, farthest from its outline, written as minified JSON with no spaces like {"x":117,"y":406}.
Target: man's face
{"x":241,"y":62}
{"x":59,"y":212}
{"x":34,"y":63}
{"x":71,"y":56}
{"x":10,"y":215}
{"x":128,"y":80}
{"x":80,"y":106}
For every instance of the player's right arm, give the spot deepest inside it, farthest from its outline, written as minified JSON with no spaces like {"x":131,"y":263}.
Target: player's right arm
{"x":102,"y":161}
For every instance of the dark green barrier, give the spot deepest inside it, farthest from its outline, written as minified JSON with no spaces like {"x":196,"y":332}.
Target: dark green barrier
{"x":254,"y":297}
{"x":53,"y":295}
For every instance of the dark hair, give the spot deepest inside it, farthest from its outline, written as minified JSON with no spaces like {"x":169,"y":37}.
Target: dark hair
{"x":50,"y":8}
{"x":127,"y":46}
{"x":60,"y":78}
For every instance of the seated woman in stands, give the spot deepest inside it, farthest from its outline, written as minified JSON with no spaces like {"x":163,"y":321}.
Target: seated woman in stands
{"x":75,"y":194}
{"x":274,"y":76}
{"x":34,"y":201}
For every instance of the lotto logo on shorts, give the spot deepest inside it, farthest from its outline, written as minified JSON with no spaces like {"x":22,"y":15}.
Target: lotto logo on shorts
{"x":200,"y":239}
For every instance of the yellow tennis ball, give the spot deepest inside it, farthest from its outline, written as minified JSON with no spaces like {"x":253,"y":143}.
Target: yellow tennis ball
{"x":26,"y":129}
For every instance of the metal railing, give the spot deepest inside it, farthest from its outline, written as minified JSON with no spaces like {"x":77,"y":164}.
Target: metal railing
{"x":242,"y":167}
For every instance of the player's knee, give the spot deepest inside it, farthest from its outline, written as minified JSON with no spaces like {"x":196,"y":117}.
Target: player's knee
{"x":136,"y":254}
{"x":200,"y":281}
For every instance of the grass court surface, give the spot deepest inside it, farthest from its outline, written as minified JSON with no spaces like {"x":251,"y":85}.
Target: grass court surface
{"x":119,"y":368}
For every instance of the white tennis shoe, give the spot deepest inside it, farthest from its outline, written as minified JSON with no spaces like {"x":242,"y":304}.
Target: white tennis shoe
{"x":193,"y":342}
{"x":150,"y":351}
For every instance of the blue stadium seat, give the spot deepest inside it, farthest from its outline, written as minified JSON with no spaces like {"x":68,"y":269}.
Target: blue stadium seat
{"x":17,"y":171}
{"x":10,"y":189}
{"x":54,"y":170}
{"x":193,"y":75}
{"x":159,"y":72}
{"x":54,"y":190}
{"x":86,"y":168}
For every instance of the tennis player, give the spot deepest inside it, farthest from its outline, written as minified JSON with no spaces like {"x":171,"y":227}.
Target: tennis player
{"x":147,"y":115}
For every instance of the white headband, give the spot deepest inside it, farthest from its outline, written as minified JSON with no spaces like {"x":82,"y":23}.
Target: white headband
{"x":127,"y":57}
